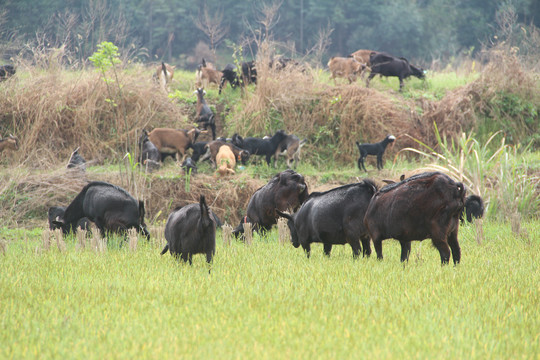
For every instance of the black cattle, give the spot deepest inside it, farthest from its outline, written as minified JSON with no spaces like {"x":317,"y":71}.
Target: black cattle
{"x":373,"y":149}
{"x":258,"y":146}
{"x":57,"y":212}
{"x":230,"y":75}
{"x":286,"y":191}
{"x":388,"y":65}
{"x":76,"y":161}
{"x":204,"y":114}
{"x":423,"y":206}
{"x":7,"y":71}
{"x":333,"y":217}
{"x":191,"y":230}
{"x":110,"y":207}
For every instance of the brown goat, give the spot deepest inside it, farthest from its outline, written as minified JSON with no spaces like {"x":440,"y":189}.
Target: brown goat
{"x":225,"y":161}
{"x":205,"y":76}
{"x":347,"y":68}
{"x":290,"y":147}
{"x":11,"y":142}
{"x":213,"y":149}
{"x":362,"y":56}
{"x":173,"y":141}
{"x":164,"y":74}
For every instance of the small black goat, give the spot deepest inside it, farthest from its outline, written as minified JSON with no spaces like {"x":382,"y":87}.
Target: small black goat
{"x":191,"y":230}
{"x":76,"y":161}
{"x":189,"y":166}
{"x":262,"y":147}
{"x":149,"y":153}
{"x":373,"y":149}
{"x":204,"y":115}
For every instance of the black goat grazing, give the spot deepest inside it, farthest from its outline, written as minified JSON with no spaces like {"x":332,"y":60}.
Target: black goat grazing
{"x":262,"y":147}
{"x":199,"y":149}
{"x":373,"y":149}
{"x":76,"y":161}
{"x":149,"y":153}
{"x":204,"y":115}
{"x":191,"y":230}
{"x":189,"y":166}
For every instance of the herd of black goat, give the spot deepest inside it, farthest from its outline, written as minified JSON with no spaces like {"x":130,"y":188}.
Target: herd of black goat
{"x":426,"y":205}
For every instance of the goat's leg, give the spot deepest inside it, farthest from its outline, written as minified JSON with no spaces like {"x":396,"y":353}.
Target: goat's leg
{"x":366,"y":247}
{"x":379,"y":161}
{"x":454,"y":246}
{"x":377,"y":244}
{"x":355,"y":245}
{"x":405,"y":250}
{"x":307,"y":249}
{"x":327,"y":249}
{"x":371,"y":76}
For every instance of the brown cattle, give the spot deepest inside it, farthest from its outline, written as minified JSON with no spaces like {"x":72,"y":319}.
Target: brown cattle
{"x":347,"y":68}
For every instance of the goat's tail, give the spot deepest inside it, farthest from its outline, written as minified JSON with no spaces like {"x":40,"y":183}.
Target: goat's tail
{"x":165,"y":249}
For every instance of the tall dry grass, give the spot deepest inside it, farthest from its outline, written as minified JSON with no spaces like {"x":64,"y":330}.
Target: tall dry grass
{"x":54,"y":111}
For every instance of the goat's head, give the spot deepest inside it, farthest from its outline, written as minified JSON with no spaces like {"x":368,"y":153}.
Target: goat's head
{"x":200,"y":92}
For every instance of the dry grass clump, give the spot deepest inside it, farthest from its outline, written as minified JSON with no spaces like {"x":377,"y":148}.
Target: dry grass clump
{"x":53,"y":112}
{"x":504,"y":75}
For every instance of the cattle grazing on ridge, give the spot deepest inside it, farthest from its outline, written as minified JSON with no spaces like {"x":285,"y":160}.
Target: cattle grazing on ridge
{"x":7,"y":71}
{"x":173,"y":141}
{"x":110,"y":207}
{"x":204,"y":114}
{"x":347,"y":68}
{"x":426,"y":205}
{"x":333,"y":217}
{"x":11,"y":142}
{"x":191,"y":230}
{"x":286,"y":191}
{"x":388,"y":65}
{"x":258,"y":146}
{"x":373,"y":149}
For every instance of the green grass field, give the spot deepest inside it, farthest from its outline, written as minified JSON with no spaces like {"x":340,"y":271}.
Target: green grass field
{"x":269,"y":301}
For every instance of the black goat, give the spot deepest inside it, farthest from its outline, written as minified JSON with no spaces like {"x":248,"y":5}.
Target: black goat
{"x":6,"y":71}
{"x":189,"y":166}
{"x":199,"y":149}
{"x":149,"y":153}
{"x":76,"y":161}
{"x":373,"y":149}
{"x":191,"y":230}
{"x":258,"y":146}
{"x":204,"y":115}
{"x":230,"y":74}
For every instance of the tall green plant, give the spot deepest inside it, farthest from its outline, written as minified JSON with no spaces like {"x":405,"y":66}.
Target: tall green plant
{"x":496,"y":173}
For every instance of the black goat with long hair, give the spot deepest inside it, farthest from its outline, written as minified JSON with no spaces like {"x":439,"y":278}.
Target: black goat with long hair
{"x":373,"y":149}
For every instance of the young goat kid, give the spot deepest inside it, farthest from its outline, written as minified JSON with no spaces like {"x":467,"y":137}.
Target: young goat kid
{"x":373,"y":149}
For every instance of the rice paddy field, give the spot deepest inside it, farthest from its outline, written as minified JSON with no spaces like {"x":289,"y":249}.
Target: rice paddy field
{"x":267,"y":300}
